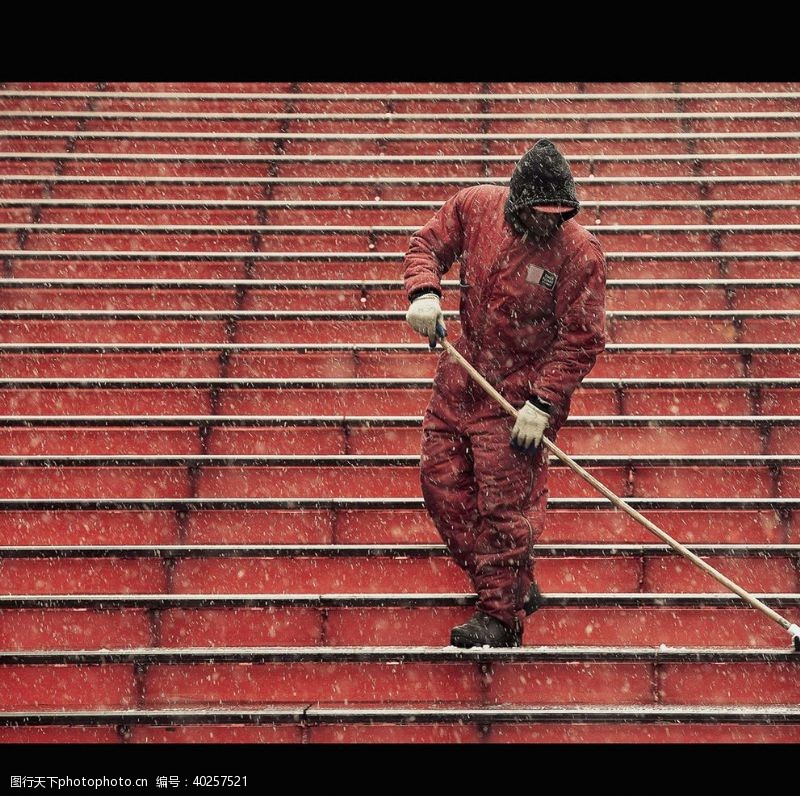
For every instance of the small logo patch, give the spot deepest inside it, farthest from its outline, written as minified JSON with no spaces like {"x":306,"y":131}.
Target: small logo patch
{"x":540,"y":276}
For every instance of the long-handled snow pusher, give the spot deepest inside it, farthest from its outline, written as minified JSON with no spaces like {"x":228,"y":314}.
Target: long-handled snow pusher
{"x":792,"y":629}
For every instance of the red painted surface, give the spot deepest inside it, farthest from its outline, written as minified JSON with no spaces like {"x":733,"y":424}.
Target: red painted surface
{"x":701,"y":480}
{"x":112,"y":331}
{"x":745,"y":190}
{"x":646,"y":733}
{"x":770,"y":330}
{"x":43,"y":168}
{"x":313,"y":264}
{"x":245,"y":684}
{"x":751,"y":104}
{"x":759,"y":241}
{"x":529,"y":732}
{"x":581,"y":575}
{"x":317,"y":576}
{"x":218,"y":733}
{"x":65,"y":401}
{"x":387,"y":733}
{"x":674,"y":330}
{"x":392,"y":626}
{"x":261,"y":526}
{"x":234,"y":627}
{"x":33,"y":687}
{"x":366,"y":440}
{"x":789,"y":481}
{"x":570,"y":684}
{"x":643,"y":169}
{"x":335,"y":481}
{"x":692,"y":525}
{"x":645,"y":268}
{"x":667,"y":440}
{"x":636,"y":191}
{"x":673,"y":626}
{"x":762,"y":269}
{"x":784,"y":440}
{"x":779,"y":401}
{"x":83,"y":576}
{"x":59,"y":735}
{"x":128,"y":269}
{"x":323,"y":440}
{"x":286,"y":364}
{"x":319,"y":401}
{"x":758,"y":575}
{"x":87,"y":527}
{"x":70,"y":629}
{"x":188,"y":365}
{"x":723,"y":684}
{"x":666,"y":299}
{"x":88,"y":299}
{"x":589,"y":147}
{"x":747,"y":168}
{"x":95,"y":482}
{"x":675,"y":364}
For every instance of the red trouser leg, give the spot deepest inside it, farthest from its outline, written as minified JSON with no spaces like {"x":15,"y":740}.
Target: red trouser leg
{"x":448,"y":484}
{"x":486,"y":498}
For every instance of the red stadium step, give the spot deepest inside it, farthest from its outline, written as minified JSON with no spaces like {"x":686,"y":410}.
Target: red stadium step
{"x":54,"y":629}
{"x":72,"y":440}
{"x":88,"y":299}
{"x":60,"y":735}
{"x":166,"y":216}
{"x":269,"y":627}
{"x":373,"y":526}
{"x":69,"y":401}
{"x":387,"y":684}
{"x":218,"y":733}
{"x":55,"y":268}
{"x":234,"y":147}
{"x":386,"y":401}
{"x":163,"y":364}
{"x":86,"y":527}
{"x":92,"y":482}
{"x":551,"y":732}
{"x":84,"y":576}
{"x":441,"y":575}
{"x":113,"y":331}
{"x":286,"y":481}
{"x":321,"y":575}
{"x":415,"y":526}
{"x":578,"y":626}
{"x":180,"y":124}
{"x":81,"y":687}
{"x":100,"y":241}
{"x":250,"y":190}
{"x":400,"y":440}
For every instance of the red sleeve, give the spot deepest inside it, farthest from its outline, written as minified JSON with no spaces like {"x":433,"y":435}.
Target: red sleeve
{"x":580,"y":309}
{"x":434,"y":248}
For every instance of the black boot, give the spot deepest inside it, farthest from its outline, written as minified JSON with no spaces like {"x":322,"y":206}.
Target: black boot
{"x":485,"y":631}
{"x":533,"y":600}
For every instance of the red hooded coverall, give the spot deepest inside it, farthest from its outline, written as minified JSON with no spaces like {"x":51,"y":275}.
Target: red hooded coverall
{"x":533,"y":323}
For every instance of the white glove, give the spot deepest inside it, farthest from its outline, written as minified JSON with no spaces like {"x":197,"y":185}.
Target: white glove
{"x":530,"y":426}
{"x":424,"y":314}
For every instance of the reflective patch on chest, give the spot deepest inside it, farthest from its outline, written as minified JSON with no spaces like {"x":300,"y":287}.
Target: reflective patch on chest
{"x":541,"y":276}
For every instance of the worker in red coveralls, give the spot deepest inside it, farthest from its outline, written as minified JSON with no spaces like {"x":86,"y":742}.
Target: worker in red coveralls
{"x":532,"y":285}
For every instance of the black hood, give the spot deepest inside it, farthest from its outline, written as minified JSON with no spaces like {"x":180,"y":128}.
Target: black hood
{"x":542,"y":177}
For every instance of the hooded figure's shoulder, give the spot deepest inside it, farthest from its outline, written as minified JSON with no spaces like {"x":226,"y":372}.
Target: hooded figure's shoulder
{"x":577,"y":237}
{"x":482,"y":200}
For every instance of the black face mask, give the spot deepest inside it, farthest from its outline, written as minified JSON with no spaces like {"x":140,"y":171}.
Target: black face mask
{"x":542,"y":177}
